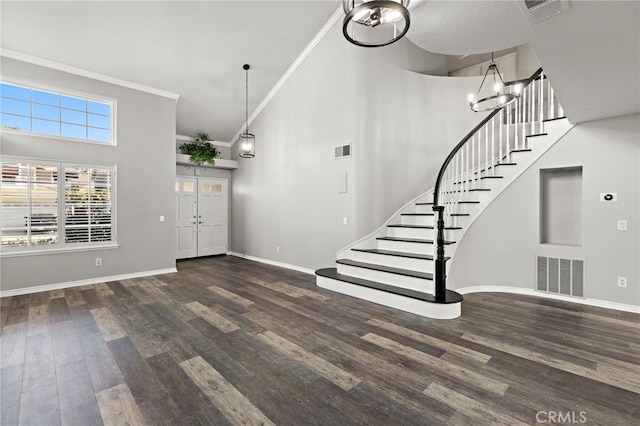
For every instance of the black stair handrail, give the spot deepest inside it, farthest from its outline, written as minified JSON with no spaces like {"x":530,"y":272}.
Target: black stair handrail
{"x":440,"y":265}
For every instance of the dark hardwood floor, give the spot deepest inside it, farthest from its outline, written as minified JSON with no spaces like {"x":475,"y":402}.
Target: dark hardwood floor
{"x":229,"y":341}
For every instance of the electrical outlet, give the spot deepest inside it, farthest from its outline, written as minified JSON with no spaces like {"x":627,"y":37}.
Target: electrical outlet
{"x":278,"y":249}
{"x":622,"y":225}
{"x":345,"y":221}
{"x":98,"y":261}
{"x":622,"y":282}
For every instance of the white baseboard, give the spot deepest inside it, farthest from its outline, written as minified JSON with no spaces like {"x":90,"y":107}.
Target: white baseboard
{"x":273,"y":262}
{"x":530,"y":292}
{"x":89,"y":281}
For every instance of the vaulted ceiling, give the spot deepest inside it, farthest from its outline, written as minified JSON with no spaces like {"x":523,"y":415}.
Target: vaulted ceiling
{"x":196,"y":49}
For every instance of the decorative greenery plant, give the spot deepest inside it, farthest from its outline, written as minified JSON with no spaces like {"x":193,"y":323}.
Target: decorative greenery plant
{"x":201,"y":149}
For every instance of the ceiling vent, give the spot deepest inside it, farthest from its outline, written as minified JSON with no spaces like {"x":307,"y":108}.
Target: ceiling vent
{"x":539,"y":10}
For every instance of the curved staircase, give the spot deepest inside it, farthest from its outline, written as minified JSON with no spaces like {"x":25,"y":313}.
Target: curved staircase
{"x":396,"y":265}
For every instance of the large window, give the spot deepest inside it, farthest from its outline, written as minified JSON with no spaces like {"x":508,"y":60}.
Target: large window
{"x":46,"y":205}
{"x":43,"y":112}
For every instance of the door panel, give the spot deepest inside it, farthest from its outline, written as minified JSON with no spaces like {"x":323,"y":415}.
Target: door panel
{"x":186,"y":221}
{"x":212,"y":216}
{"x":201,"y":217}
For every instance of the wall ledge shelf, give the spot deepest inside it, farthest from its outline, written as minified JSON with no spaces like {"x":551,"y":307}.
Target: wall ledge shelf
{"x":221,"y":163}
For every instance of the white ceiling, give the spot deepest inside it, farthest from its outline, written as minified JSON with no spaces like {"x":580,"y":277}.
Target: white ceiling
{"x":591,"y":52}
{"x":196,"y":49}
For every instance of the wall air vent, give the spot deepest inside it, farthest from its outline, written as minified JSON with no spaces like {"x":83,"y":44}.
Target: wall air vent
{"x":343,"y":151}
{"x":560,"y":276}
{"x":538,"y":10}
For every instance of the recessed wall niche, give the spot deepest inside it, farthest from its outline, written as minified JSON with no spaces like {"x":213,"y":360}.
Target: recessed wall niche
{"x":561,"y":206}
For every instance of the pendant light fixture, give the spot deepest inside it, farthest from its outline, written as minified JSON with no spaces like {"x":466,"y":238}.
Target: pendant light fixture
{"x":496,"y":98}
{"x":374,"y":23}
{"x":247,"y":140}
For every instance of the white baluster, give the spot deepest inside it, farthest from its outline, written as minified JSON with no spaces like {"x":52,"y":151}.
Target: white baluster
{"x":508,"y":144}
{"x":540,"y":103}
{"x":473,"y":155}
{"x":525,"y":117}
{"x":468,"y":169}
{"x":493,"y":143}
{"x":552,"y":101}
{"x":530,"y":108}
{"x":516,"y":122}
{"x":465,"y":168}
{"x":452,"y":198}
{"x":459,"y":183}
{"x":477,"y":176}
{"x":502,"y":113}
{"x":486,"y":150}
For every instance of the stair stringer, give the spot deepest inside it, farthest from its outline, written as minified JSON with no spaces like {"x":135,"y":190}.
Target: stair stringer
{"x":555,"y":130}
{"x":370,"y":240}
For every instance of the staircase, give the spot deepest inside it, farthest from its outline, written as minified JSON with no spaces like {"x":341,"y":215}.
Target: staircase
{"x":397,"y":265}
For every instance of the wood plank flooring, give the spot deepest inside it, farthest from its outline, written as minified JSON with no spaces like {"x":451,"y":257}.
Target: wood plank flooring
{"x":228,"y":341}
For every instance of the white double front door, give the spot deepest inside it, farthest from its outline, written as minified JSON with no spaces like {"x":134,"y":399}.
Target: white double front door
{"x":201,"y":217}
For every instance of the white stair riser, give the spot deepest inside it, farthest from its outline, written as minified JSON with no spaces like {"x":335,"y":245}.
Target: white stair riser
{"x":430,"y":234}
{"x":414,"y":306}
{"x":402,"y":281}
{"x":464,"y":208}
{"x":456,"y":222}
{"x":417,"y":220}
{"x":427,"y":208}
{"x":418,"y":233}
{"x":482,"y":196}
{"x":421,"y":265}
{"x":508,"y":172}
{"x":473,"y":184}
{"x":419,"y":248}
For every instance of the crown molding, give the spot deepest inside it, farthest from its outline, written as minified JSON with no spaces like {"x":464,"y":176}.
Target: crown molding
{"x":294,"y":66}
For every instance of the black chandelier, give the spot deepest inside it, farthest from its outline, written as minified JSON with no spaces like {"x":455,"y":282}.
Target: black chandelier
{"x":247,"y":140}
{"x":374,"y":23}
{"x":493,"y":99}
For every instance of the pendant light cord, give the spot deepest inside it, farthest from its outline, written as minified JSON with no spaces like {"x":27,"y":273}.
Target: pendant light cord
{"x":246,"y":105}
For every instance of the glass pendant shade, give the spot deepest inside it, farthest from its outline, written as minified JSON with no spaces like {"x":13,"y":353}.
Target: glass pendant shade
{"x":495,"y":97}
{"x":247,"y":145}
{"x":374,"y":23}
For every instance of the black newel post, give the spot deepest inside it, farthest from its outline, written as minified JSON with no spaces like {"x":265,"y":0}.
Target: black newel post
{"x":440,"y":266}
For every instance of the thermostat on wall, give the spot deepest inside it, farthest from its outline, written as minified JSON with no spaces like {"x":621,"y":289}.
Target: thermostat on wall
{"x":608,"y":197}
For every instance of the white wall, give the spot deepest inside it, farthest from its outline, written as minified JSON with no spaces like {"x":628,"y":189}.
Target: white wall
{"x":499,"y":248}
{"x":145,"y":160}
{"x":526,"y":62}
{"x":401,"y":126}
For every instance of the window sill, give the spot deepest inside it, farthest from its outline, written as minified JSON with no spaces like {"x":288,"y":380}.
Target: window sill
{"x":58,"y":137}
{"x":20,"y":253}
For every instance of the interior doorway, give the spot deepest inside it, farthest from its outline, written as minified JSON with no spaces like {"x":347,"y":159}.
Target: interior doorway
{"x":201,"y":217}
